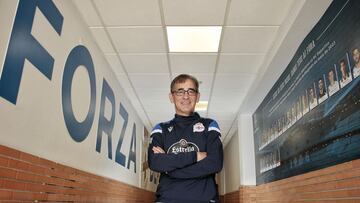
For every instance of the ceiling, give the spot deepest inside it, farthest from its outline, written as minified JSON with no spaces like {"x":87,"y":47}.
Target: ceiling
{"x":258,"y":39}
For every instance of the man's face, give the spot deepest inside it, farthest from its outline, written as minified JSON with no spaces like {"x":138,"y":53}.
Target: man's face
{"x":185,"y":104}
{"x":356,"y":55}
{"x":343,"y":68}
{"x":321,"y":85}
{"x":312,"y":95}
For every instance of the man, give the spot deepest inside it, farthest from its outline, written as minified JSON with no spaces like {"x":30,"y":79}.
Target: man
{"x":305,"y":104}
{"x":288,"y":119}
{"x":322,"y":90}
{"x":298,"y":108}
{"x":186,"y":150}
{"x":312,"y":98}
{"x":356,"y":57}
{"x":345,"y":78}
{"x":333,"y":83}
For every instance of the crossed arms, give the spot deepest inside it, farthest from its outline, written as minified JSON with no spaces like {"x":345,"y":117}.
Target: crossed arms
{"x":188,"y":164}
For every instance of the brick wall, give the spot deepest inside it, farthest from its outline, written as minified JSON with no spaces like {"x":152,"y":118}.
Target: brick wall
{"x":232,"y":197}
{"x":24,"y":177}
{"x":247,"y":194}
{"x":336,"y":184}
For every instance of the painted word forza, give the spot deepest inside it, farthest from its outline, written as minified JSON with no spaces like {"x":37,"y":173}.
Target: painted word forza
{"x":23,"y":45}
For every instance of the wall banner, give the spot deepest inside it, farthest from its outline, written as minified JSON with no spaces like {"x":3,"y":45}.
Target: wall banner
{"x":310,"y":119}
{"x":59,"y":98}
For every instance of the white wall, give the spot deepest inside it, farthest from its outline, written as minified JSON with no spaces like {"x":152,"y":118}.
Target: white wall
{"x":247,"y":153}
{"x":231,"y":164}
{"x":36,"y":122}
{"x":239,"y":157}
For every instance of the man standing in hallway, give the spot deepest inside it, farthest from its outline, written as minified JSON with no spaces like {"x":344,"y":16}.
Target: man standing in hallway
{"x":186,"y":150}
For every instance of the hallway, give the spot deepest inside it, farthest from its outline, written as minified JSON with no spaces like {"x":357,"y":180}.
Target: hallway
{"x":85,"y":83}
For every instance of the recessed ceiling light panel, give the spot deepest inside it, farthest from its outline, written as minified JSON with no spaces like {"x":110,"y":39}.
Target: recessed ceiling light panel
{"x":193,"y":38}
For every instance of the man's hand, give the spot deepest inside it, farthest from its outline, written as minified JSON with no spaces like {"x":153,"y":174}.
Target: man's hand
{"x":201,"y":156}
{"x":158,"y":150}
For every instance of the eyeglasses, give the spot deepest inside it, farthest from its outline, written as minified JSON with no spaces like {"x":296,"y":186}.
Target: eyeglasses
{"x":181,"y":92}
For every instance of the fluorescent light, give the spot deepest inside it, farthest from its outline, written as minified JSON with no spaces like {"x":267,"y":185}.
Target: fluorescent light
{"x":201,"y":106}
{"x":193,"y":38}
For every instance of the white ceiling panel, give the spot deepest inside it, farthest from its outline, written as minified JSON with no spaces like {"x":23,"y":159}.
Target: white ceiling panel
{"x":239,"y":63}
{"x":102,"y":39}
{"x":233,"y":94}
{"x":192,"y":63}
{"x":160,"y":118}
{"x":223,"y":106}
{"x":151,"y":81}
{"x":222,"y":116}
{"x":205,"y":81}
{"x":145,"y":63}
{"x":159,"y":106}
{"x":194,"y":12}
{"x":256,"y":39}
{"x":233,"y":81}
{"x":115,"y":64}
{"x":258,"y":12}
{"x":204,"y":94}
{"x":154,"y":94}
{"x":125,"y":12}
{"x":138,"y":39}
{"x":88,"y":12}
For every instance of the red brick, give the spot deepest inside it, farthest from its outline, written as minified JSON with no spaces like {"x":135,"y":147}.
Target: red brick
{"x":9,"y":152}
{"x":7,"y":173}
{"x":46,"y":163}
{"x":28,"y":196}
{"x":5,"y":195}
{"x":348,"y":183}
{"x":41,"y":176}
{"x":356,"y":163}
{"x":4,"y":161}
{"x":36,"y":169}
{"x":18,"y":165}
{"x":25,"y":176}
{"x":29,"y":158}
{"x":14,"y":185}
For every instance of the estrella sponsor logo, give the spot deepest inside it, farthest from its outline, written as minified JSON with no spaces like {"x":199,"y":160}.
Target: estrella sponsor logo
{"x":182,"y":146}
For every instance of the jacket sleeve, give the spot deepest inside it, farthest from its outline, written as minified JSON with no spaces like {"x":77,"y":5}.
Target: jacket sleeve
{"x":163,"y":162}
{"x":213,"y":162}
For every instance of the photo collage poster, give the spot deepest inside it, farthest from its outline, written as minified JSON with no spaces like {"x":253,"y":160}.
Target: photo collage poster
{"x":310,"y":119}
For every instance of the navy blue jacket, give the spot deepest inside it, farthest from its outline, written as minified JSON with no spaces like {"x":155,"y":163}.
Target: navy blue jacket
{"x":183,"y":179}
